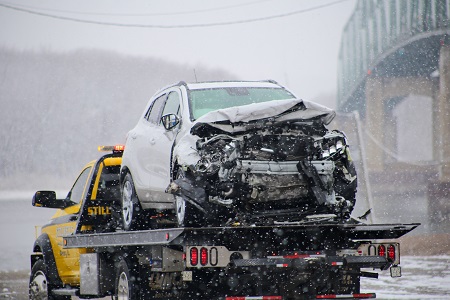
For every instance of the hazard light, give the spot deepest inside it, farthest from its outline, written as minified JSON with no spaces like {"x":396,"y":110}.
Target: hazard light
{"x":114,"y":149}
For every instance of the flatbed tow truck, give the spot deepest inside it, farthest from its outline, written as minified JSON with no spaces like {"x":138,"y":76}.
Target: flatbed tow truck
{"x":246,"y":260}
{"x":315,"y":259}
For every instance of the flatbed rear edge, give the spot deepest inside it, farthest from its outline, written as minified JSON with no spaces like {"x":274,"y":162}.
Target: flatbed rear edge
{"x":183,"y":236}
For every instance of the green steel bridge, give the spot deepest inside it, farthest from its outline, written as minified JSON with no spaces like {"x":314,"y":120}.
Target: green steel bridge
{"x":390,"y":38}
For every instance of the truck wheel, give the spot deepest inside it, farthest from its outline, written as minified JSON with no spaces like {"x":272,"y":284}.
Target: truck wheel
{"x":130,"y":207}
{"x":39,"y":287}
{"x":125,"y":288}
{"x":129,"y":284}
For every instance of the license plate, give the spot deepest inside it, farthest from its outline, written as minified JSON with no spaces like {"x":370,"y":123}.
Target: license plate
{"x":396,"y":271}
{"x":186,"y":275}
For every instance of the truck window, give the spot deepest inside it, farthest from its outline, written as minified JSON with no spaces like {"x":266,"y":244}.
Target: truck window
{"x":108,"y":186}
{"x":76,"y":194}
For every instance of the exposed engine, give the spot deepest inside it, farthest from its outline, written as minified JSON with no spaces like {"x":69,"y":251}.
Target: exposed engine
{"x":279,"y":172}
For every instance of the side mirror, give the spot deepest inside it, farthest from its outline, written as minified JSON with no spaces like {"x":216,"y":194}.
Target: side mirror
{"x":48,"y":199}
{"x":169,"y":121}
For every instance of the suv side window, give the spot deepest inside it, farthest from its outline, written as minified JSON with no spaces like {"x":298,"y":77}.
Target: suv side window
{"x":76,"y":194}
{"x":154,"y":110}
{"x":172,"y":104}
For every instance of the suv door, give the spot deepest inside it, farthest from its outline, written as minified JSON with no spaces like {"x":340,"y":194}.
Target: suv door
{"x":161,"y":149}
{"x":140,"y":143}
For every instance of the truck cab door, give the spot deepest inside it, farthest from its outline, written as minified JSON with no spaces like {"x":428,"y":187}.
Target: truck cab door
{"x":64,"y":223}
{"x":96,"y":214}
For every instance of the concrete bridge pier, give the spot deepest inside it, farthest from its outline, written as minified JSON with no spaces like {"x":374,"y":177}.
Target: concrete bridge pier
{"x":444,"y":114}
{"x":382,"y":95}
{"x":398,"y":189}
{"x":439,"y":190}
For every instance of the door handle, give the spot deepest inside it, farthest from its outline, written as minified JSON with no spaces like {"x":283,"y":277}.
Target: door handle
{"x":152,"y":141}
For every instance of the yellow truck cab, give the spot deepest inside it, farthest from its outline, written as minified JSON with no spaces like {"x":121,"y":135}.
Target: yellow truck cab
{"x":87,"y":208}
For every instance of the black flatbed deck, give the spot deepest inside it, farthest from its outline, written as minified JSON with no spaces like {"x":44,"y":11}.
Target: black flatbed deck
{"x":214,"y":235}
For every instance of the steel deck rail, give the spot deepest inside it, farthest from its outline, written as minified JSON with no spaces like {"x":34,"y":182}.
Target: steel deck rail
{"x":190,"y":236}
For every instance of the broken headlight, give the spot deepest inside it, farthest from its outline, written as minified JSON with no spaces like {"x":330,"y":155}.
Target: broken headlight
{"x":332,"y":145}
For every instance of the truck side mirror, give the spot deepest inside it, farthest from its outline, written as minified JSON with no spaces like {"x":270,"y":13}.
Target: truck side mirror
{"x":169,"y":121}
{"x":48,"y":199}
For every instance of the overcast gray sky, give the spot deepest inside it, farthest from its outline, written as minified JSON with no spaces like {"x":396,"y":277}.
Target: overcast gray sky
{"x":298,"y":50}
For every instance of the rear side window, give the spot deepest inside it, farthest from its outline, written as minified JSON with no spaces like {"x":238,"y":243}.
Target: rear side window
{"x":108,"y":187}
{"x":154,"y":112}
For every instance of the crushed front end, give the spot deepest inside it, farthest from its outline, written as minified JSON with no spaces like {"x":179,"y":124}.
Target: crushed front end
{"x":270,"y":171}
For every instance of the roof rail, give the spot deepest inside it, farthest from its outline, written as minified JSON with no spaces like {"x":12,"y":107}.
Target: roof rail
{"x":271,"y":81}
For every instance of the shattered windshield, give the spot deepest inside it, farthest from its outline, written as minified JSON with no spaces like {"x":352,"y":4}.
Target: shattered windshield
{"x":203,"y":101}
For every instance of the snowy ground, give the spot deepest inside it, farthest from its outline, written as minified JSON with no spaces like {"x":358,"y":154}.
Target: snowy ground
{"x":423,"y":277}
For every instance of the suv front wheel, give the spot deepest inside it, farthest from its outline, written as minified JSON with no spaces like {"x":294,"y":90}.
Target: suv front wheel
{"x":187,"y":214}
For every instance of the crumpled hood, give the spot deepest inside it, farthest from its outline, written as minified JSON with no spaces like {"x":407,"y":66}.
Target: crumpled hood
{"x":231,"y":120}
{"x":280,"y":110}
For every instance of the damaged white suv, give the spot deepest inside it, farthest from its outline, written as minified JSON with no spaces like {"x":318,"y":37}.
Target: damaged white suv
{"x":217,"y":153}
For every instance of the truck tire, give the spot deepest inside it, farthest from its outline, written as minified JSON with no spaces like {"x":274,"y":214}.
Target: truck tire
{"x":131,"y":211}
{"x":40,"y":288}
{"x":129,"y":284}
{"x":125,"y":287}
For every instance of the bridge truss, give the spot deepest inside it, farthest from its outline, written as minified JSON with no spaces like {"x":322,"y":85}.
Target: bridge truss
{"x":390,"y":38}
